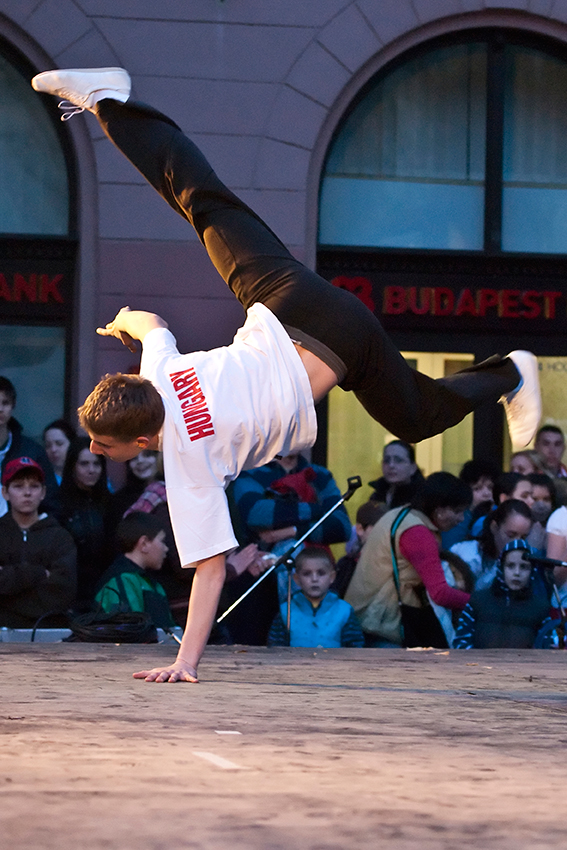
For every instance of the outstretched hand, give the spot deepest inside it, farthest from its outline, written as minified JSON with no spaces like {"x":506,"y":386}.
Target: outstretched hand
{"x":179,"y":671}
{"x":116,"y":328}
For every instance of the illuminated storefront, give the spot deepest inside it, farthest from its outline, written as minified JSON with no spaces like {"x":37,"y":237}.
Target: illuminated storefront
{"x":443,"y":208}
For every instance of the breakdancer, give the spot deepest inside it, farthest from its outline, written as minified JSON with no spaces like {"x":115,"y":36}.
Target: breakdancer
{"x":215,"y":413}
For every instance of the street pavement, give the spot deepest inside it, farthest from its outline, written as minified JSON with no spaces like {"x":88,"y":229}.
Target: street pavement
{"x":283,"y":748}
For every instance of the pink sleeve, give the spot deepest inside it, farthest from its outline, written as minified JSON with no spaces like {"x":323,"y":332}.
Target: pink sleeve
{"x":419,"y":546}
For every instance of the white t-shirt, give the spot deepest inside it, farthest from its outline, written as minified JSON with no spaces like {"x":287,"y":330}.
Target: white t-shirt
{"x":484,"y":570}
{"x":557,"y":522}
{"x":228,"y":409}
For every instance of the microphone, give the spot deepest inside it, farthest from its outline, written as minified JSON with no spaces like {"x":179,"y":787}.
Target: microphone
{"x":548,"y":563}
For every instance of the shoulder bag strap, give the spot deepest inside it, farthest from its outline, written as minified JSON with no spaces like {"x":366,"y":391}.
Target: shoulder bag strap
{"x":395,"y":525}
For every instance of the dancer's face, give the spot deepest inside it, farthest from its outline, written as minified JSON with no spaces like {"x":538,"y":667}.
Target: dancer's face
{"x":117,"y":450}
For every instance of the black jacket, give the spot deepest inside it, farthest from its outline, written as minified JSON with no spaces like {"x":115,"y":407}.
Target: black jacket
{"x":85,"y":520}
{"x":499,"y":618}
{"x":26,"y":556}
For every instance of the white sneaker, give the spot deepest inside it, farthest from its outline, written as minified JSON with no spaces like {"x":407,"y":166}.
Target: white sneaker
{"x":84,"y":87}
{"x":523,"y":405}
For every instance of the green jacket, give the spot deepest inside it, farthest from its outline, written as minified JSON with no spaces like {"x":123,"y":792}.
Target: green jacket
{"x":127,"y":587}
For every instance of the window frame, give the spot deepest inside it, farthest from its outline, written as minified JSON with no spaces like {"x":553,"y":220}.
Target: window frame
{"x":496,"y":41}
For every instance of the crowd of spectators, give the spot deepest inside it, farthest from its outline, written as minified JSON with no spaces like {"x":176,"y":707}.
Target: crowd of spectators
{"x":442,"y":561}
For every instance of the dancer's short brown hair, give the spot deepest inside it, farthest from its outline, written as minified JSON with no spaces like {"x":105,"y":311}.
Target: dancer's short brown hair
{"x":123,"y":407}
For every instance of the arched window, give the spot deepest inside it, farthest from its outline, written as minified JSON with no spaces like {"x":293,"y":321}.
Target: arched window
{"x":460,"y":147}
{"x":34,"y":190}
{"x":37,"y":246}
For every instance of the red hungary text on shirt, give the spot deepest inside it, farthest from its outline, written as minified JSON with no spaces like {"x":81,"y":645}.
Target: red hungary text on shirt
{"x":196,"y":414}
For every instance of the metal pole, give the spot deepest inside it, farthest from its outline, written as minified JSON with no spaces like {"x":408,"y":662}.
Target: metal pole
{"x":353,"y":484}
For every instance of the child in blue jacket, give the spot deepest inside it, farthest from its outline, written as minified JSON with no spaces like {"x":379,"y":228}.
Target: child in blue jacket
{"x":318,"y":616}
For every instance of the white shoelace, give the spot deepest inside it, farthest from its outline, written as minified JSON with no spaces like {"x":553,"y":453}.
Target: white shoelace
{"x":69,"y":109}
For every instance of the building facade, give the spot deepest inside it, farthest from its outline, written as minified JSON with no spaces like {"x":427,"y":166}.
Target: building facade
{"x":412,"y":150}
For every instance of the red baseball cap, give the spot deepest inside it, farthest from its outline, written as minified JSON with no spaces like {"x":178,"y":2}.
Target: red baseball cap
{"x":21,"y":464}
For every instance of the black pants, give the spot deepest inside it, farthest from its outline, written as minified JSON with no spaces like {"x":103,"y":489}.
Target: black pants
{"x":329,"y":321}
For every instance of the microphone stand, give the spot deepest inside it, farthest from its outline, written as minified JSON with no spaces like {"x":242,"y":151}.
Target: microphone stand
{"x":287,"y":558}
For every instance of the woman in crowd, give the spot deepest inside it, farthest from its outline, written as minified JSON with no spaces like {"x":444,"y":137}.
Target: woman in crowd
{"x":140,"y":472}
{"x":400,"y":476}
{"x":513,"y":485}
{"x":413,"y":534}
{"x":481,"y":476}
{"x":57,"y":437}
{"x":512,"y":520}
{"x":84,"y":506}
{"x":544,"y":497}
{"x":526,"y":462}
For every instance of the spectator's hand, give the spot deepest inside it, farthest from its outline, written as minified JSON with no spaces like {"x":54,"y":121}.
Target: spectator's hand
{"x":274,"y":535}
{"x":179,"y":671}
{"x":244,"y":559}
{"x":263,"y":562}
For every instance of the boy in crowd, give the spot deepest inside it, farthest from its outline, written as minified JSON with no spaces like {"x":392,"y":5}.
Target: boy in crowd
{"x":550,"y":446}
{"x":38,"y":558}
{"x":367,"y":516}
{"x":218,"y":412}
{"x":481,"y":476}
{"x":129,"y":584}
{"x":14,"y":444}
{"x":508,"y":614}
{"x":318,"y":616}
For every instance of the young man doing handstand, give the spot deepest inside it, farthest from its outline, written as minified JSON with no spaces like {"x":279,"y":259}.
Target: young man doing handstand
{"x":215,"y":413}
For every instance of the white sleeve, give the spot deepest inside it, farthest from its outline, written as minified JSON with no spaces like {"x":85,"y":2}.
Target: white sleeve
{"x":557,"y":522}
{"x":201,"y":522}
{"x":158,"y":344}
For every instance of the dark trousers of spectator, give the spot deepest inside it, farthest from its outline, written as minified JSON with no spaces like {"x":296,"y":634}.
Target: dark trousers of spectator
{"x":326,"y":320}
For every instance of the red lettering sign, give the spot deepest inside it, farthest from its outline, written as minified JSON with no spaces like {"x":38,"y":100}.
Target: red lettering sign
{"x":49,"y":288}
{"x":466,"y":304}
{"x":549,"y":299}
{"x":530,"y":303}
{"x":424,"y":300}
{"x":487,"y":298}
{"x":394,"y":302}
{"x":4,"y":289}
{"x":359,"y":286}
{"x":33,"y":288}
{"x":509,"y":306}
{"x":442,"y":301}
{"x":25,"y":287}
